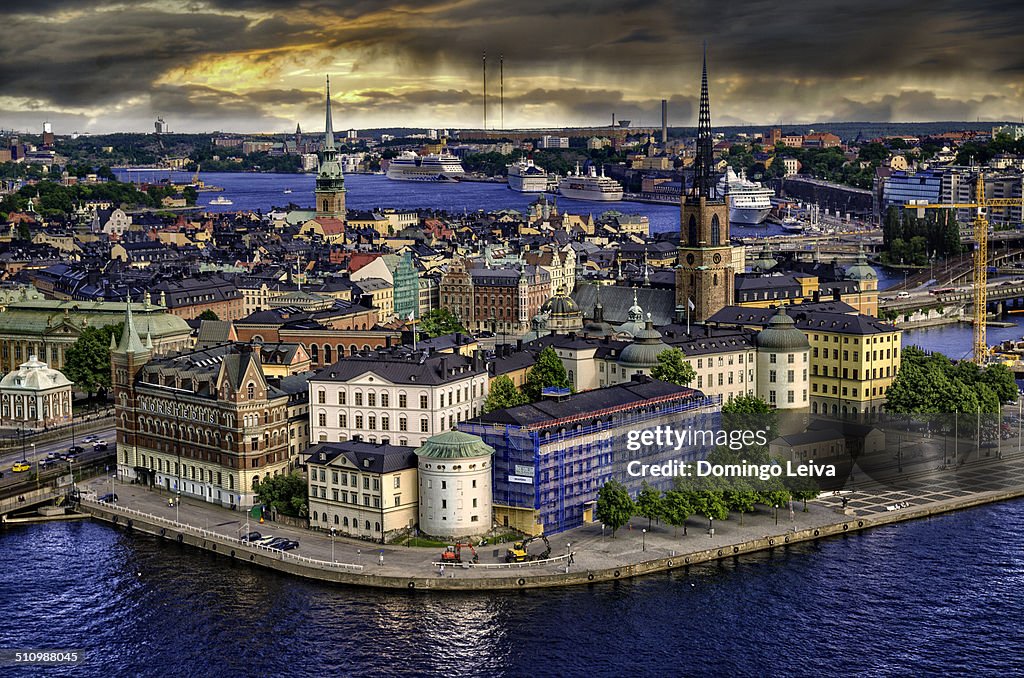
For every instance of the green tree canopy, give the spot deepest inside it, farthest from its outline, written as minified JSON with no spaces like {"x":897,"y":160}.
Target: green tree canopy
{"x":649,"y":504}
{"x":547,"y":371}
{"x":87,"y":361}
{"x":614,"y":507}
{"x":676,"y":508}
{"x":503,"y":394}
{"x":286,"y":493}
{"x":440,"y":321}
{"x":933,"y":384}
{"x":672,"y":367}
{"x":750,"y":413}
{"x":208,"y":315}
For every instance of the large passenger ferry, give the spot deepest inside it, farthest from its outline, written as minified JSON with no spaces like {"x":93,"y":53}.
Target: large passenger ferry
{"x":526,"y":177}
{"x":590,"y":186}
{"x":749,"y":201}
{"x":434,"y":167}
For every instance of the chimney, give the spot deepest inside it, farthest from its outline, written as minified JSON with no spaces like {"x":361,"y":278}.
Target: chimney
{"x":836,"y":294}
{"x":387,"y":341}
{"x":443,"y":367}
{"x":664,"y":122}
{"x":816,"y":295}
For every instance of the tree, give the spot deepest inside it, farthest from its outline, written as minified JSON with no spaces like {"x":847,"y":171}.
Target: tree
{"x":614,"y":507}
{"x":740,"y":496}
{"x":286,"y":493}
{"x":676,"y":508}
{"x":87,"y":361}
{"x":503,"y":394}
{"x":440,"y":321}
{"x":547,"y":371}
{"x":208,"y":315}
{"x":673,"y":368}
{"x":190,"y":194}
{"x":649,"y":504}
{"x":706,"y":497}
{"x":749,"y":413}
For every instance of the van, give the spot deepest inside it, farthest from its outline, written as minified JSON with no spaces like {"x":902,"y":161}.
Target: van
{"x":903,"y":295}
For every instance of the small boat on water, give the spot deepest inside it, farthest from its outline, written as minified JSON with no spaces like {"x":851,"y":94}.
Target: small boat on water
{"x":287,"y":190}
{"x":221,"y":200}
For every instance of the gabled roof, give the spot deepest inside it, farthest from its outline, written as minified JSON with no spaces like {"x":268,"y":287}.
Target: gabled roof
{"x":368,"y":457}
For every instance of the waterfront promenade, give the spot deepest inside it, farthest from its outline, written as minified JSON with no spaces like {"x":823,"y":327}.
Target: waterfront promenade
{"x":595,"y":554}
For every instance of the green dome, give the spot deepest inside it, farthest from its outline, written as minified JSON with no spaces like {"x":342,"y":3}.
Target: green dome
{"x":454,"y":445}
{"x":861,"y":269}
{"x":561,"y":304}
{"x":782,"y":334}
{"x":645,"y":348}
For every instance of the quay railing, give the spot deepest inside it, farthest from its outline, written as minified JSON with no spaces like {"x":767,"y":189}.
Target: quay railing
{"x":510,"y":566}
{"x":199,"y":531}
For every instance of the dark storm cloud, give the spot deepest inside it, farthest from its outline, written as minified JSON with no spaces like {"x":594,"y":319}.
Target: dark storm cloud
{"x":767,"y":53}
{"x":908,"y":107}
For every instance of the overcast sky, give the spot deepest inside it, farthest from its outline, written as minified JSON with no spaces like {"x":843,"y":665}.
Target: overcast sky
{"x":259,"y":65}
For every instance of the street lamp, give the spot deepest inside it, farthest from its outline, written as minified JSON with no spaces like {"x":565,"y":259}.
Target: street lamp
{"x":776,"y":515}
{"x":333,"y":531}
{"x":644,"y":537}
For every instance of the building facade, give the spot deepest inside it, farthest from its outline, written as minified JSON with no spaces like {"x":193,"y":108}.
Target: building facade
{"x":35,"y":396}
{"x":454,"y":475}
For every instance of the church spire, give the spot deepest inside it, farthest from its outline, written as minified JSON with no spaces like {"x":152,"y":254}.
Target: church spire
{"x":329,"y":126}
{"x":702,"y":165}
{"x":130,"y":341}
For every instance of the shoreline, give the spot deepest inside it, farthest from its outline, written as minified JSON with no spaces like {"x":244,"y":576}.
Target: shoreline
{"x":524,"y":577}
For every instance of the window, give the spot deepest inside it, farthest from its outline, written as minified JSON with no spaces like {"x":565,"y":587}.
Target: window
{"x":790,"y":397}
{"x":771,"y":376}
{"x":371,"y":399}
{"x":790,"y":358}
{"x":790,"y":376}
{"x":321,"y":396}
{"x":385,"y":423}
{"x":423,"y":402}
{"x":771,"y":358}
{"x":342,"y":420}
{"x":251,"y":390}
{"x":403,"y":424}
{"x":398,"y":482}
{"x":424,"y":425}
{"x":322,"y":419}
{"x":771,"y":397}
{"x":402,"y":401}
{"x":359,"y":398}
{"x":341,"y":397}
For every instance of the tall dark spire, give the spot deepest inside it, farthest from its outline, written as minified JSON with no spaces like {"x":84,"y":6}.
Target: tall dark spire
{"x":702,"y":164}
{"x":329,"y":127}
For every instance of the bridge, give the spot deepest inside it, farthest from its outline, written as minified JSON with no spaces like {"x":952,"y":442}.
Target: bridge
{"x":1001,"y":298}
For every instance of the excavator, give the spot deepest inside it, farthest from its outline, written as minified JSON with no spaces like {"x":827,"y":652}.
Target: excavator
{"x":453,"y":554}
{"x":519,"y":551}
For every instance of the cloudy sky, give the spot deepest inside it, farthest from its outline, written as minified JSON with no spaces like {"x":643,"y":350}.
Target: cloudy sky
{"x":259,"y":65}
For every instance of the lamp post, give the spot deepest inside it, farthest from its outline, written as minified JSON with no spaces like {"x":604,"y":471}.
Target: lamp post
{"x":643,"y":536}
{"x":333,"y":531}
{"x":776,"y":515}
{"x":36,"y":462}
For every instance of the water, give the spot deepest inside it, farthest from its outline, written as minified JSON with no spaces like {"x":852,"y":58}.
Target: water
{"x":940,"y":595}
{"x":251,"y":191}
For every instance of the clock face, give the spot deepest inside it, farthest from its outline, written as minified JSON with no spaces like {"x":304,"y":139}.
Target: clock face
{"x":717,"y":258}
{"x":689,"y":259}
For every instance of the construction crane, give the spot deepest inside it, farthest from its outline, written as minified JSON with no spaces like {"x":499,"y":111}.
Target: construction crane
{"x":980,"y":205}
{"x":453,"y":554}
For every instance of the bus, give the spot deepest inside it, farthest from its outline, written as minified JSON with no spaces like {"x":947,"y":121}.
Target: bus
{"x":942,"y":290}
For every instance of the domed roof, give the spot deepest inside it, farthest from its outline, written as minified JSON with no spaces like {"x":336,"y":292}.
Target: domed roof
{"x":645,"y":348}
{"x":861,"y":269}
{"x":765,"y":261}
{"x":34,"y":375}
{"x":634,"y":319}
{"x":454,"y":445}
{"x":560,"y":304}
{"x":781,"y":334}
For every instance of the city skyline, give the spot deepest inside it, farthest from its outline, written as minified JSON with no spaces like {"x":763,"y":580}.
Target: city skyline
{"x":259,"y":66}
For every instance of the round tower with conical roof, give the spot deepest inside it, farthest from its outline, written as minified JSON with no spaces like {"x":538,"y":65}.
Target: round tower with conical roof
{"x":783,"y":363}
{"x":455,"y":496}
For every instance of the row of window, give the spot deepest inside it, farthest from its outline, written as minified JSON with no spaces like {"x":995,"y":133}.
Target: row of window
{"x":342,"y":521}
{"x":874,"y":373}
{"x":880,"y":354}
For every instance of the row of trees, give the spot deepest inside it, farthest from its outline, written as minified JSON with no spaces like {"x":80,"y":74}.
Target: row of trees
{"x":52,"y":199}
{"x":909,"y":239}
{"x":933,"y":384}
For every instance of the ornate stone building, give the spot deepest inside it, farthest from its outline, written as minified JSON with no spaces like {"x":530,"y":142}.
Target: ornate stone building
{"x":35,"y":396}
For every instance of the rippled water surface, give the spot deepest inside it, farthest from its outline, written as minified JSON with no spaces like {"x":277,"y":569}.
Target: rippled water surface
{"x":941,"y":595}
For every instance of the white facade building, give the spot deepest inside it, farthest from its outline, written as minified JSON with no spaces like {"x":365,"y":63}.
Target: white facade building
{"x":455,"y":495}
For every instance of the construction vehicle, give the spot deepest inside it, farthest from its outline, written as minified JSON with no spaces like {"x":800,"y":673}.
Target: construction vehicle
{"x":453,"y":554}
{"x":519,"y":551}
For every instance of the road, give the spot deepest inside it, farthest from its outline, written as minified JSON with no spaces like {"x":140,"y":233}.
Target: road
{"x":34,"y":455}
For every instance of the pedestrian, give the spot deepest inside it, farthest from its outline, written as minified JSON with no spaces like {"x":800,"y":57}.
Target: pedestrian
{"x":382,"y":559}
{"x":442,"y":570}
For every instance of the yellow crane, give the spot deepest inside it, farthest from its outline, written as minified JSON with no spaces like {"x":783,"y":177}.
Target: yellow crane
{"x":980,"y":205}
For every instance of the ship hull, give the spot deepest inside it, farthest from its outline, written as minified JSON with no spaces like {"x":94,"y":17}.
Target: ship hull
{"x":748,"y":216}
{"x":528,"y":184}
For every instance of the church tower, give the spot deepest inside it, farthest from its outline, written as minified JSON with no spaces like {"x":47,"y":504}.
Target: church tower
{"x":705,"y":277}
{"x":126,"y":359}
{"x":330,"y":181}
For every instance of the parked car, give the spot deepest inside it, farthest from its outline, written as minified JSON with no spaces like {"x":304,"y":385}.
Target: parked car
{"x":99,"y":447}
{"x":277,"y":542}
{"x":76,"y":449}
{"x":71,"y":456}
{"x":54,"y":456}
{"x":252,"y":537}
{"x":88,"y":439}
{"x":109,"y":498}
{"x":288,"y":545}
{"x":21,"y":466}
{"x":903,"y":295}
{"x":264,"y":541}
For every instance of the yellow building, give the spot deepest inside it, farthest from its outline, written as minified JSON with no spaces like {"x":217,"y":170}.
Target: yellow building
{"x":854,"y":357}
{"x":362,"y":489}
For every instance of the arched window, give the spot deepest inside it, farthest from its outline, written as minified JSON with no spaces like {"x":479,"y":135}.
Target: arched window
{"x":345,"y":522}
{"x":314,"y":353}
{"x":716,"y":230}
{"x":335,"y":519}
{"x":327,"y":353}
{"x":367,"y":524}
{"x":692,"y":239}
{"x":324,"y":208}
{"x":251,"y":390}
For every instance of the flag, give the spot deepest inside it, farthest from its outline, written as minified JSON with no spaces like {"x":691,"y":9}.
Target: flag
{"x":690,"y":302}
{"x":412,"y":316}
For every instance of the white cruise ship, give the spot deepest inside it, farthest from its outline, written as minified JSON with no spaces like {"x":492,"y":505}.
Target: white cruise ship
{"x":434,"y":167}
{"x":525,"y":177}
{"x":749,"y":201}
{"x":590,"y":186}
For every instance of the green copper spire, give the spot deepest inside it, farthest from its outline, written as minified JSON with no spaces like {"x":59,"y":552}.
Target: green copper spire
{"x":130,"y":341}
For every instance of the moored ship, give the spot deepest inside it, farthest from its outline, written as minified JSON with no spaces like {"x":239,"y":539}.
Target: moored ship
{"x":440,"y":167}
{"x":590,"y":186}
{"x":749,"y":201}
{"x":526,"y":177}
